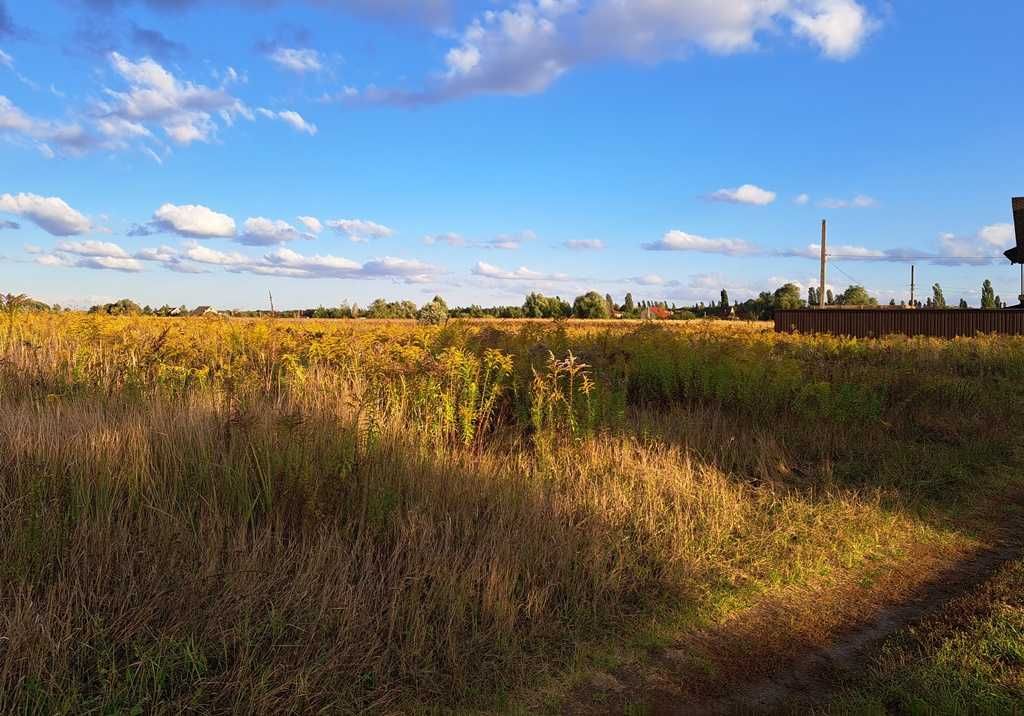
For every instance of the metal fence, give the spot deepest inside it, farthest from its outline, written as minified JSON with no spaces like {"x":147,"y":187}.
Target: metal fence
{"x":876,"y":322}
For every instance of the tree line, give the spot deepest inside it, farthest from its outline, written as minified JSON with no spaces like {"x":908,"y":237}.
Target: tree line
{"x":590,"y":305}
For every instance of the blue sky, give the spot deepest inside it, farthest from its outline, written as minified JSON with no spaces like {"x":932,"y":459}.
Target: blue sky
{"x":202,"y":151}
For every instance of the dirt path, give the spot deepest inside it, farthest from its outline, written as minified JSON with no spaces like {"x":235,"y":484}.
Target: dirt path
{"x":816,"y":673}
{"x":789,"y":654}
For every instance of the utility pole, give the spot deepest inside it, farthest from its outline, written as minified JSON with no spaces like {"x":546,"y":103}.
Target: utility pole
{"x":821,"y":282}
{"x":912,"y":285}
{"x":271,"y":296}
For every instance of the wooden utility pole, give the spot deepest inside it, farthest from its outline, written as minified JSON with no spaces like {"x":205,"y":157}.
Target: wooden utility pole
{"x":912,"y":286}
{"x":821,"y":282}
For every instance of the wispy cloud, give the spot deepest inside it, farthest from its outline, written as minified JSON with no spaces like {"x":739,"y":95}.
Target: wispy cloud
{"x":584,"y":244}
{"x":861,"y":201}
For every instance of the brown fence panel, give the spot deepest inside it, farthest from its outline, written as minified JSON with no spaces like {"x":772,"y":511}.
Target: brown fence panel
{"x":877,"y":322}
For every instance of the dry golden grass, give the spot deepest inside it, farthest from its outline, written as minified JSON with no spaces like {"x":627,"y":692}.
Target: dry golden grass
{"x":268,"y":517}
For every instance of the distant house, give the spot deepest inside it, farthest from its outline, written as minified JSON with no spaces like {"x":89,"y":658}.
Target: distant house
{"x":204,"y":311}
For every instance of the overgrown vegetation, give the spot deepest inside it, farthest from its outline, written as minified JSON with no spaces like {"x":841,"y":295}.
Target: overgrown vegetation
{"x":276,"y":516}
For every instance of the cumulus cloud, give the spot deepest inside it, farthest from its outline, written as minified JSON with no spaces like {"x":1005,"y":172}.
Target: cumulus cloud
{"x":838,"y":27}
{"x":584,"y":244}
{"x":802,"y":199}
{"x":286,"y":262}
{"x":746,"y":194}
{"x":312,"y":224}
{"x":297,"y":60}
{"x":258,"y":231}
{"x":183,"y":109}
{"x":291,"y":118}
{"x":360,"y":229}
{"x":676,"y":240}
{"x":982,"y":247}
{"x":90,"y":254}
{"x":52,"y":214}
{"x":170,"y":258}
{"x":522,"y":273}
{"x":524,"y":48}
{"x":92,"y":248}
{"x":193,"y":221}
{"x":861,"y":201}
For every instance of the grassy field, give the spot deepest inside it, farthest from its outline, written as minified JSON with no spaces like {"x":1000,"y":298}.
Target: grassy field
{"x":270,"y":516}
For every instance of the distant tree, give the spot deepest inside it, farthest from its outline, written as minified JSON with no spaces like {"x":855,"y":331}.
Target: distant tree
{"x":391,"y":309}
{"x":892,"y":301}
{"x":856,"y":296}
{"x":938,"y":300}
{"x":590,"y":305}
{"x":988,"y":295}
{"x":963,"y":303}
{"x":999,"y":303}
{"x":725,"y":298}
{"x":434,"y":313}
{"x":787,"y":296}
{"x":124,"y":307}
{"x":830,"y":300}
{"x":628,"y":307}
{"x":812,"y":296}
{"x":537,"y":305}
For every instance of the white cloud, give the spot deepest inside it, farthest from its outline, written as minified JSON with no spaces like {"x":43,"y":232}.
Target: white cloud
{"x":298,"y":60}
{"x":184,"y":110}
{"x":258,"y":231}
{"x":998,"y":235}
{"x":194,"y":221}
{"x":584,"y":244}
{"x":205,"y":255}
{"x":746,"y":194}
{"x":510,"y":242}
{"x":860,"y":201}
{"x":838,"y":27}
{"x":90,"y":254}
{"x":802,"y":199}
{"x":92,"y":248}
{"x":286,"y":262}
{"x":676,"y":240}
{"x":524,"y":48}
{"x":6,"y":60}
{"x":360,"y":229}
{"x":451,"y":239}
{"x":522,"y":273}
{"x":291,"y":118}
{"x":503,"y":242}
{"x":311,"y":223}
{"x":52,"y":214}
{"x":169,"y":257}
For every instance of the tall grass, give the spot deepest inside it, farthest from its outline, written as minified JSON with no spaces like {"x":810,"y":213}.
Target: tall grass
{"x":263,"y":517}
